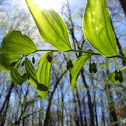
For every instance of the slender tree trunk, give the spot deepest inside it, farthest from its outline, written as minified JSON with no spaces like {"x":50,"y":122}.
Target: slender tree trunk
{"x":23,"y":109}
{"x":103,"y":118}
{"x":40,"y":115}
{"x":112,"y":106}
{"x":32,"y":116}
{"x":120,"y":50}
{"x":71,"y":122}
{"x":90,"y":105}
{"x":58,"y":109}
{"x":6,"y":103}
{"x":7,"y":98}
{"x":96,"y":118}
{"x":46,"y":121}
{"x":95,"y":106}
{"x":79,"y":105}
{"x":23,"y":122}
{"x":111,"y":101}
{"x":76,"y":118}
{"x":62,"y":111}
{"x":84,"y":111}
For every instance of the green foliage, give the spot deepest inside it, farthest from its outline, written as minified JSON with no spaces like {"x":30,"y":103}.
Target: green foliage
{"x":31,"y":72}
{"x":77,"y":66}
{"x":51,"y":26}
{"x":32,"y":76}
{"x":6,"y":61}
{"x":43,"y":72}
{"x":14,"y":43}
{"x":112,"y":76}
{"x":16,"y":77}
{"x":97,"y":28}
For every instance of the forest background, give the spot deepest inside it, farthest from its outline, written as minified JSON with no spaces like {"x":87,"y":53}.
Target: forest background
{"x":94,"y":102}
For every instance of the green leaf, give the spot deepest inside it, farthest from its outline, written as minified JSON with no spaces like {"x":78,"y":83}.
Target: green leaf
{"x":15,"y":64}
{"x":51,"y":26}
{"x":31,"y":72}
{"x":43,"y":73}
{"x":77,"y":66}
{"x":111,"y":76}
{"x":32,"y":76}
{"x":6,"y":61}
{"x":14,"y":43}
{"x":97,"y":28}
{"x":16,"y":77}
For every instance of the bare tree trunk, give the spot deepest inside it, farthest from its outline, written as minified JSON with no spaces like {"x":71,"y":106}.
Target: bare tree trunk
{"x":95,"y":106}
{"x":40,"y":115}
{"x":103,"y":118}
{"x":84,"y":112}
{"x":62,"y":109}
{"x":90,"y":105}
{"x":23,"y":109}
{"x":67,"y":116}
{"x":96,"y":118}
{"x":6,"y":103}
{"x":23,"y":123}
{"x":112,"y":106}
{"x":32,"y":116}
{"x":79,"y":105}
{"x":46,"y":121}
{"x":58,"y":109}
{"x":111,"y":101}
{"x":76,"y":118}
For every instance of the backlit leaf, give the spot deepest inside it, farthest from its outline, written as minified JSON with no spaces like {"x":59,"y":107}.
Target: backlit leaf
{"x":51,"y":26}
{"x":32,"y":76}
{"x":43,"y":73}
{"x":15,"y":64}
{"x":77,"y":66}
{"x":14,"y":43}
{"x":16,"y":77}
{"x":97,"y":28}
{"x":111,"y":76}
{"x":6,"y":61}
{"x":31,"y":72}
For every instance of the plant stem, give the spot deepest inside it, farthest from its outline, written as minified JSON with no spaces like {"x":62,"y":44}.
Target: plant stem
{"x":74,"y":50}
{"x":93,"y":53}
{"x":47,"y":50}
{"x":119,"y":56}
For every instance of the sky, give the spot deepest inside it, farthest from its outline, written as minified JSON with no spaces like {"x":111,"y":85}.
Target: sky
{"x":76,"y":3}
{"x":22,"y":3}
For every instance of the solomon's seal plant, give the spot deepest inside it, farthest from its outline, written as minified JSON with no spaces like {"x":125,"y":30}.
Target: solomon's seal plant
{"x":97,"y":29}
